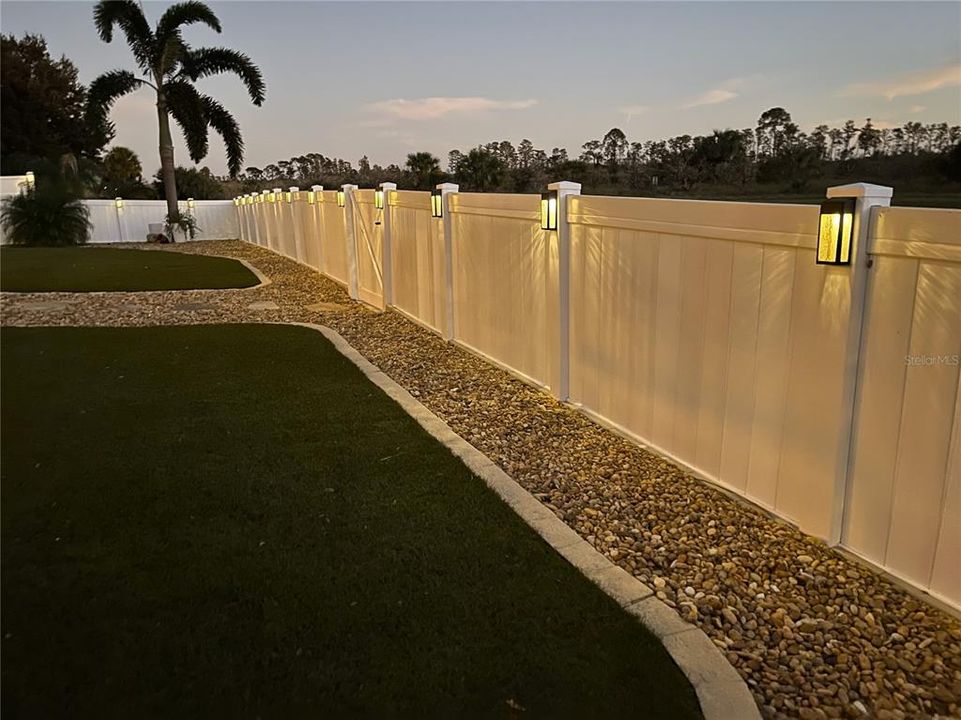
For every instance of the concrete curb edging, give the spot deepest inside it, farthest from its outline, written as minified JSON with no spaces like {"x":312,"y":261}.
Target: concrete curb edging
{"x":721,"y":691}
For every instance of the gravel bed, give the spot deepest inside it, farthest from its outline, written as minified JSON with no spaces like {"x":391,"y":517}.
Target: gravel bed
{"x":814,"y":634}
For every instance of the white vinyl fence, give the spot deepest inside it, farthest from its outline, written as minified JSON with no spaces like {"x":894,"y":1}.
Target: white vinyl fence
{"x":216,"y":219}
{"x":705,"y":330}
{"x":128,"y":222}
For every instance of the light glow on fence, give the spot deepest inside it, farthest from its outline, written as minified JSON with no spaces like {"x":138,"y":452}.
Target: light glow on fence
{"x":379,"y":199}
{"x":341,"y":198}
{"x":436,"y":203}
{"x":118,"y":202}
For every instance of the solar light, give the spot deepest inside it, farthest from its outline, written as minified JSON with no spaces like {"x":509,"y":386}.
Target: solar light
{"x":835,"y":230}
{"x":118,"y":202}
{"x":379,"y":199}
{"x":341,"y":198}
{"x":31,"y":180}
{"x":436,"y":203}
{"x":293,"y":193}
{"x":236,"y":201}
{"x":549,"y":210}
{"x":190,"y":203}
{"x":315,"y":194}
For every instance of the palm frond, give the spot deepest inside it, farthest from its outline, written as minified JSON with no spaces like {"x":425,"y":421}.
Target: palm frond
{"x":129,"y":17}
{"x":204,"y":62}
{"x":106,"y":89}
{"x":187,"y":107}
{"x":185,"y":13}
{"x":226,"y":126}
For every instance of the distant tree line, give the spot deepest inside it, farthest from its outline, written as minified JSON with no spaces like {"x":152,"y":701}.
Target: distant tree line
{"x":775,"y":155}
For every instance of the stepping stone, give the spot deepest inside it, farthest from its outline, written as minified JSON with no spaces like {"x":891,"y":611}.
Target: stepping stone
{"x":327,"y":307}
{"x":192,"y":306}
{"x":46,"y":306}
{"x":264,"y":305}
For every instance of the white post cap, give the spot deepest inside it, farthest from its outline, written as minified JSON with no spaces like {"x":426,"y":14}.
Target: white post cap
{"x":860,"y":190}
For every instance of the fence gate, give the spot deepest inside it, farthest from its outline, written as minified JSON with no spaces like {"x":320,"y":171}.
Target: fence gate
{"x":369,"y":242}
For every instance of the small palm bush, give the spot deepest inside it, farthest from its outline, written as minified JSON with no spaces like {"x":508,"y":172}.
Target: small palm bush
{"x":47,"y":214}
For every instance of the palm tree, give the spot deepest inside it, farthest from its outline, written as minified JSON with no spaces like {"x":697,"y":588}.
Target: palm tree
{"x":171,"y":67}
{"x":121,"y":165}
{"x":424,"y":169}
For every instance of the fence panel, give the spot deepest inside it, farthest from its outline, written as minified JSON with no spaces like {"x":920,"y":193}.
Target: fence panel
{"x":707,"y":330}
{"x":217,"y":220}
{"x":334,"y":238}
{"x":904,"y":496}
{"x":287,"y":233}
{"x":307,"y":219}
{"x":417,"y":258}
{"x":501,"y":264}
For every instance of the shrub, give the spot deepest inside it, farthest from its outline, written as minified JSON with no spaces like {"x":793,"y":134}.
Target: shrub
{"x":47,"y":214}
{"x":185,"y":223}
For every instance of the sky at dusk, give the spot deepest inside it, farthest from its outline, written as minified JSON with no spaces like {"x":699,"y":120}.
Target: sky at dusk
{"x":385,"y":79}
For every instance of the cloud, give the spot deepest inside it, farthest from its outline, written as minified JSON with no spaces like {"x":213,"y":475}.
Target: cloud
{"x":432,"y":108}
{"x":915,"y":109}
{"x":631,"y":111}
{"x":916,"y":83}
{"x":721,"y":94}
{"x":711,"y":97}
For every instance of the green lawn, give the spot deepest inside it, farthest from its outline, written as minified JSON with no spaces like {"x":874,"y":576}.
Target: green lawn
{"x":232,"y":521}
{"x":86,"y":269}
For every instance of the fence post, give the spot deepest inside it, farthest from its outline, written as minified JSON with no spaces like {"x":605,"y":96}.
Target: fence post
{"x":387,"y":259}
{"x":316,"y":231}
{"x":352,"y":283}
{"x":866,"y":197}
{"x":560,"y":384}
{"x":295,"y":221}
{"x":447,"y":228}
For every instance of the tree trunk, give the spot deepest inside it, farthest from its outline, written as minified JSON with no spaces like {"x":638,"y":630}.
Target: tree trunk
{"x":167,"y":165}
